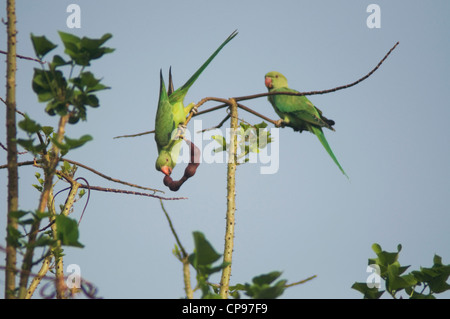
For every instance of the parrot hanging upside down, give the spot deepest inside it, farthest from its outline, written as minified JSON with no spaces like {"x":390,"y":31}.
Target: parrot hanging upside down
{"x":297,"y":111}
{"x":171,"y":114}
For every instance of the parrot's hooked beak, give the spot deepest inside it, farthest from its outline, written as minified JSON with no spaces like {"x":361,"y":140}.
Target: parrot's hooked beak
{"x":268,"y":82}
{"x":166,"y":170}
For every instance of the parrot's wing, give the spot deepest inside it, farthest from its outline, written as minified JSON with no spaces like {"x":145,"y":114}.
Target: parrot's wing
{"x":301,"y":108}
{"x":181,"y":92}
{"x":312,"y":119}
{"x":164,"y":124}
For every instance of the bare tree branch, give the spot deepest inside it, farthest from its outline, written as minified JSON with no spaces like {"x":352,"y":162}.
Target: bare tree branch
{"x":122,"y":191}
{"x":25,"y":57}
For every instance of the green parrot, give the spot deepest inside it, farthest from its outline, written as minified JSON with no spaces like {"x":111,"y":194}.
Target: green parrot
{"x":172,"y":113}
{"x":297,"y":111}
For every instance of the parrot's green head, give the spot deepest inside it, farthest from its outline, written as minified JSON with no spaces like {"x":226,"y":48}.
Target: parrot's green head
{"x":164,"y":163}
{"x":275,"y":80}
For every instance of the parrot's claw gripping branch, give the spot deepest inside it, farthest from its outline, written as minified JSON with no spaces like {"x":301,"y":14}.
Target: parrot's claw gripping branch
{"x":280,"y":123}
{"x":180,"y":132}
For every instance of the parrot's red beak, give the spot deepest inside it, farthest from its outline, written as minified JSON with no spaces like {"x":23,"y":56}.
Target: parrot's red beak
{"x":166,"y":170}
{"x":268,"y":82}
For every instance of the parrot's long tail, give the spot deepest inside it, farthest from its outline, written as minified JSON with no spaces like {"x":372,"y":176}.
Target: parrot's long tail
{"x":319,"y":133}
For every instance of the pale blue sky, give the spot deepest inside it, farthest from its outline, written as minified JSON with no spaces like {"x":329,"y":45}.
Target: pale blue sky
{"x":392,"y":138}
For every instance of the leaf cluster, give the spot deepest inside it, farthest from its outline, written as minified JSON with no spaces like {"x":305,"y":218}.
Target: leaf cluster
{"x":251,"y":139}
{"x":202,"y":259}
{"x":67,"y":231}
{"x":70,"y":95}
{"x":265,"y":286}
{"x":262,"y":287}
{"x":424,"y":283}
{"x":64,"y":95}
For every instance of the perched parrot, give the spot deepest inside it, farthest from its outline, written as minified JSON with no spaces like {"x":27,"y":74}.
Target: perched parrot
{"x":297,"y":111}
{"x":172,"y":113}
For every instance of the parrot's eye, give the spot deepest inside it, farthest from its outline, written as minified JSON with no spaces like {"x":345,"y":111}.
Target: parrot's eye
{"x":276,"y":76}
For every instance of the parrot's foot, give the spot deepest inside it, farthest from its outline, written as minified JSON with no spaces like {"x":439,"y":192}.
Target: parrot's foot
{"x":280,"y":123}
{"x":180,"y":132}
{"x":192,"y":107}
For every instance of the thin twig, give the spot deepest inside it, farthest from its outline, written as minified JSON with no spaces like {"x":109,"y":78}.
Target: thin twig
{"x":194,"y":115}
{"x":110,"y":178}
{"x":256,"y":113}
{"x":217,"y":126}
{"x":203,"y":101}
{"x":183,"y":251}
{"x":301,"y":281}
{"x":87,"y":199}
{"x":211,"y":109}
{"x":123,"y":191}
{"x":243,"y":107}
{"x":184,"y":258}
{"x":89,"y":169}
{"x":134,"y":135}
{"x":25,"y":57}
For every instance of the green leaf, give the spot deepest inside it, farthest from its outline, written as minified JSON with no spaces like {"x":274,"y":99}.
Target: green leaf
{"x":38,"y":187}
{"x":261,"y":125}
{"x":222,"y":141}
{"x":265,"y":291}
{"x":67,"y":231}
{"x":28,"y":144}
{"x":66,"y":166}
{"x":92,"y":100}
{"x":75,"y":143}
{"x":28,"y":125}
{"x":204,"y":253}
{"x":416,"y":295}
{"x":48,"y":130}
{"x":436,"y":277}
{"x":58,"y":61}
{"x":41,"y":45}
{"x":56,"y":107}
{"x":71,"y":143}
{"x":41,"y":85}
{"x":369,"y":293}
{"x":266,"y":279}
{"x":395,"y":282}
{"x":95,"y":44}
{"x":384,"y":258}
{"x":44,"y":240}
{"x":82,"y":51}
{"x":86,"y":82}
{"x":18,"y":214}
{"x":13,"y":236}
{"x":50,"y":86}
{"x":262,"y":287}
{"x":376,"y":248}
{"x":70,"y":42}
